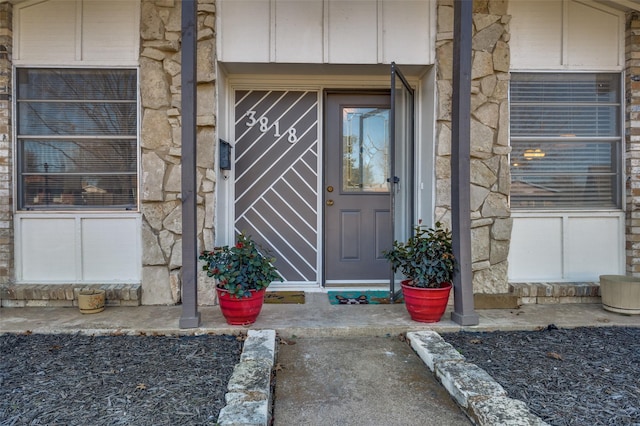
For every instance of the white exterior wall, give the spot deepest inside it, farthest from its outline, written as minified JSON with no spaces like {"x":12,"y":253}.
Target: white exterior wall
{"x":73,"y":248}
{"x":77,"y":247}
{"x":565,"y":35}
{"x":323,"y":31}
{"x":70,"y":32}
{"x":566,"y":245}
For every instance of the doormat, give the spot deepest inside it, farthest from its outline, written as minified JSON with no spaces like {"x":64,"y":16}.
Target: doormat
{"x":290,"y":297}
{"x":363,"y":297}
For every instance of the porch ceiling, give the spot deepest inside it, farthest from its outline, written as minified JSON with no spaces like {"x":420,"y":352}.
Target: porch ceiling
{"x":622,"y":4}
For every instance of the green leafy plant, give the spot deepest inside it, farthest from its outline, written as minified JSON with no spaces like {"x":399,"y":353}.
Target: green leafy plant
{"x":426,"y":257}
{"x":240,"y":268}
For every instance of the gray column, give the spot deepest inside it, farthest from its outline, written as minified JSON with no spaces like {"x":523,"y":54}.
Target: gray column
{"x":190,"y":316}
{"x":464,"y":313}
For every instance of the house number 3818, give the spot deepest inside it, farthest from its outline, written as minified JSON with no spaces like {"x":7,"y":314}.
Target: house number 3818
{"x":263,"y":121}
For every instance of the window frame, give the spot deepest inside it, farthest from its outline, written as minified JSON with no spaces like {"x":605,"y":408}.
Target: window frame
{"x":19,"y":187}
{"x":617,"y":143}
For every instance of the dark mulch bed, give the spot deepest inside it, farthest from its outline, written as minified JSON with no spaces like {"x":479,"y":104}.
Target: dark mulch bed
{"x":114,"y":380}
{"x":583,"y":376}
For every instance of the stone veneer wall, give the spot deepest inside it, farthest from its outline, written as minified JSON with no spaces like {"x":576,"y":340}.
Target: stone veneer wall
{"x":6,"y":168}
{"x":160,"y":79}
{"x":632,"y":142}
{"x":490,"y":174}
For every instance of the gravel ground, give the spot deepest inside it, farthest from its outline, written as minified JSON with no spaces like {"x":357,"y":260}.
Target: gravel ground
{"x":583,"y":376}
{"x":114,"y":380}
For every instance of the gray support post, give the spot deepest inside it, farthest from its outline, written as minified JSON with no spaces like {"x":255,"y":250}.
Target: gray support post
{"x":463,"y":313}
{"x":190,"y":316}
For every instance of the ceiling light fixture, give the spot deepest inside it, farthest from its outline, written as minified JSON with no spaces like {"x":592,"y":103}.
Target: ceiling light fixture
{"x":530,"y":154}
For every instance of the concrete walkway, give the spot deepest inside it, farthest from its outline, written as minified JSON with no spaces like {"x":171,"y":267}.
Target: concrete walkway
{"x":347,"y":366}
{"x":358,"y":381}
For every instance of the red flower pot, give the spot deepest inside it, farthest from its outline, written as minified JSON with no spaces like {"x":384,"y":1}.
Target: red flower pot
{"x":243,"y":311}
{"x":426,"y":304}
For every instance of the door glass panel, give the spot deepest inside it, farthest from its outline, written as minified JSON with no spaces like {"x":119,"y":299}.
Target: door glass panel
{"x":365,"y":149}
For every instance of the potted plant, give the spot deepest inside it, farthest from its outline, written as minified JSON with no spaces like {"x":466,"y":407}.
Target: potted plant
{"x":242,"y":274}
{"x":426,"y":260}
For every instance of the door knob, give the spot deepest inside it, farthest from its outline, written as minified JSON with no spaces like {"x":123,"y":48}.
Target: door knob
{"x":329,"y":202}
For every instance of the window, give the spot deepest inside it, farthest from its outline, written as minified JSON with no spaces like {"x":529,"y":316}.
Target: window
{"x":365,"y":149}
{"x":566,"y":140}
{"x":76,"y":138}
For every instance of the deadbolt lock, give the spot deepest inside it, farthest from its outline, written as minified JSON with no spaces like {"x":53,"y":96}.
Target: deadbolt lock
{"x":329,"y":188}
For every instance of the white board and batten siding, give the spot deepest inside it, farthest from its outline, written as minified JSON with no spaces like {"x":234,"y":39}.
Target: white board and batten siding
{"x":77,"y":32}
{"x":73,"y":248}
{"x":565,"y":246}
{"x":565,"y":35}
{"x":323,"y":31}
{"x":77,"y":247}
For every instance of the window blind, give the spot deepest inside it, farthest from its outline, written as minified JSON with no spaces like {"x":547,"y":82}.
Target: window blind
{"x":77,"y":138}
{"x":566,"y":140}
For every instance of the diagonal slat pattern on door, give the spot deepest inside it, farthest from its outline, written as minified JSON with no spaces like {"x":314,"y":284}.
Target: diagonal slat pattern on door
{"x":276,"y":176}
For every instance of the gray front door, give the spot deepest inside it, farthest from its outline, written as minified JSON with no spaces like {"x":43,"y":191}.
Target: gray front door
{"x":357,"y":218}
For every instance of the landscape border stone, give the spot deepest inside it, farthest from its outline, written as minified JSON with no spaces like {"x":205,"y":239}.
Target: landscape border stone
{"x":483,"y":399}
{"x":249,"y":390}
{"x":466,"y":382}
{"x":502,"y":410}
{"x":432,"y":348}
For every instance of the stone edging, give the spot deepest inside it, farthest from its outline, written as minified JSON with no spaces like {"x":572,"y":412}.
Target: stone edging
{"x":248,"y":396}
{"x":482,"y":398}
